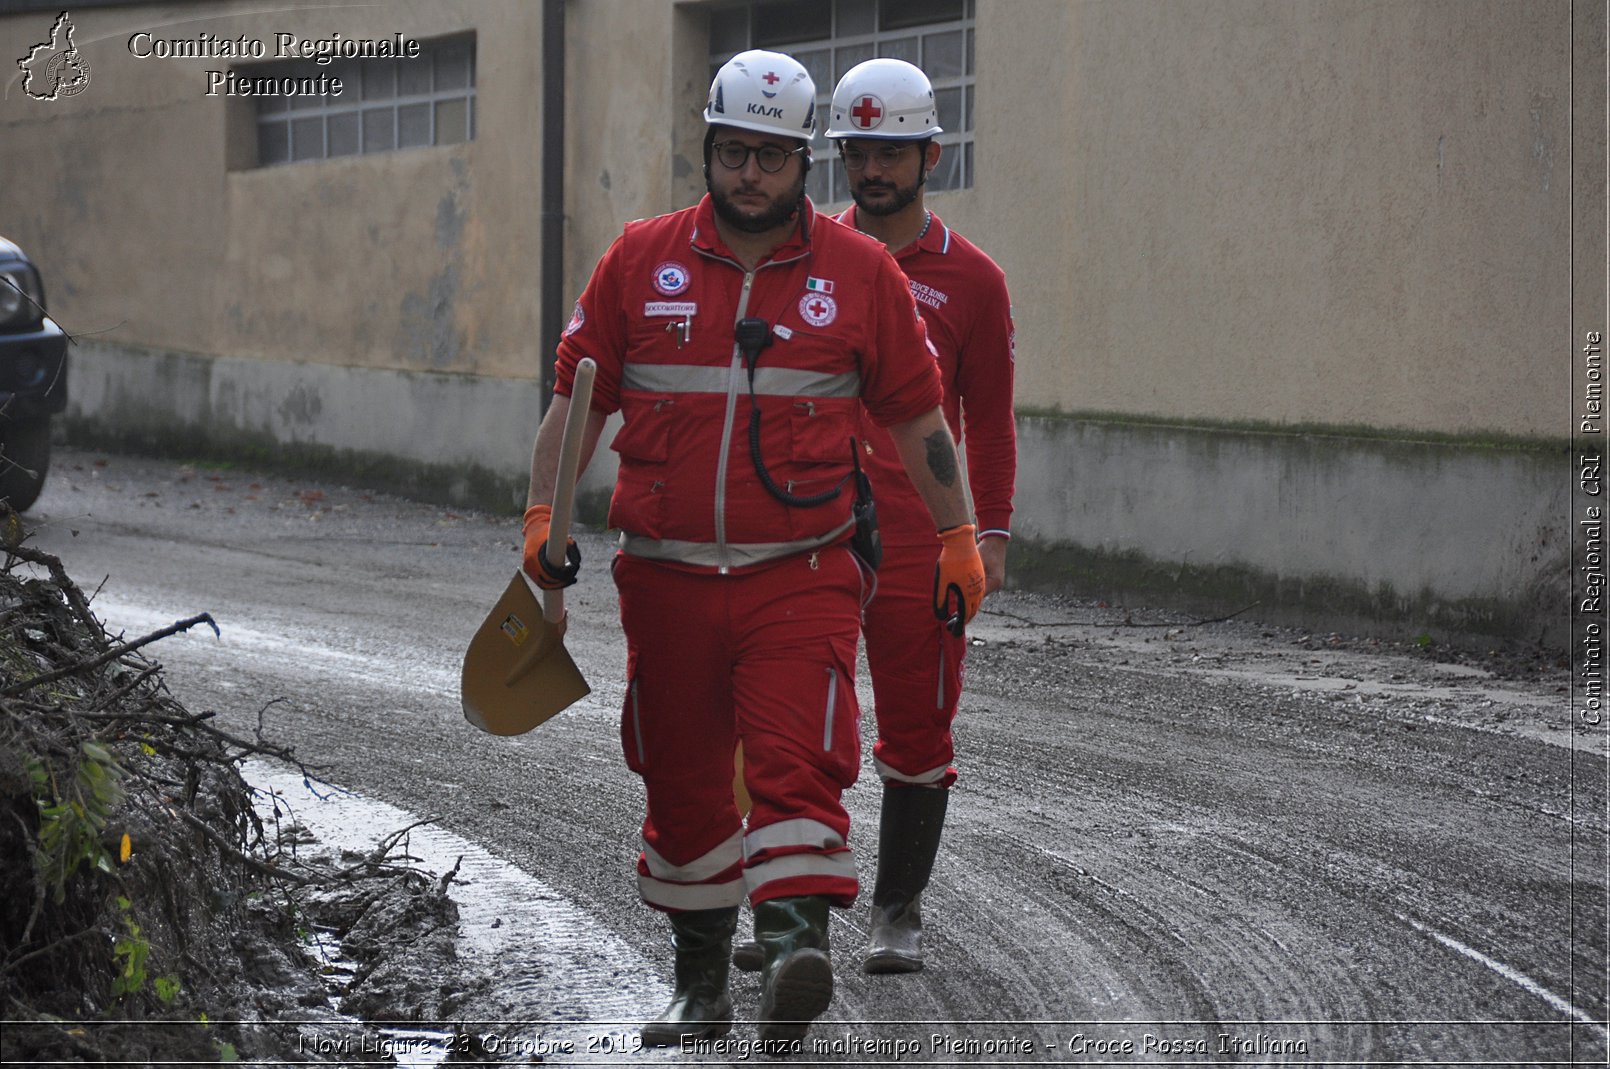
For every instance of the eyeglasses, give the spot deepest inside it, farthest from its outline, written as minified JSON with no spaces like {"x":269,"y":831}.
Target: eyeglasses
{"x":769,"y":158}
{"x":884,"y":155}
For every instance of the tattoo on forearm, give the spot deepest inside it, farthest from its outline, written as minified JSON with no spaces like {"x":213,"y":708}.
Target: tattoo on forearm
{"x":941,"y":458}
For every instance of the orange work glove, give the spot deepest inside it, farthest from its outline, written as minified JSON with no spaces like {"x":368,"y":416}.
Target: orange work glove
{"x":538,"y":520}
{"x":958,"y":578}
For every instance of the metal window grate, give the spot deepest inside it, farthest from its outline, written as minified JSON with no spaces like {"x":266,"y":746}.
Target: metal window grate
{"x":830,"y":36}
{"x":385,"y":105}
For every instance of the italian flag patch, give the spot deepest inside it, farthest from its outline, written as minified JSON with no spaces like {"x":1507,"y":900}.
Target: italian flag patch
{"x":818,"y":285}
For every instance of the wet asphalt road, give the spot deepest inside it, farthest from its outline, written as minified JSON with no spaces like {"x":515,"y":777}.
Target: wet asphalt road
{"x":1170,"y":843}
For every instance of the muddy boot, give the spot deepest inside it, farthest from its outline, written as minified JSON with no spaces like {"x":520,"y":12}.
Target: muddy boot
{"x":797,"y":983}
{"x":700,"y":1007}
{"x":908,"y":841}
{"x":747,"y":956}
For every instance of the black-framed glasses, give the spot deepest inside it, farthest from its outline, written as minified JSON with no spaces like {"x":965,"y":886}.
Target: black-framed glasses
{"x":888,"y":155}
{"x":769,"y":158}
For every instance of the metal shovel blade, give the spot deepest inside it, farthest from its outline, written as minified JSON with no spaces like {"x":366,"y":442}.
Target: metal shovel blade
{"x":517,"y":672}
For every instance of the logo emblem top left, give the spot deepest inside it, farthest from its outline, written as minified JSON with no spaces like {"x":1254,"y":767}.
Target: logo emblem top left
{"x":54,"y":69}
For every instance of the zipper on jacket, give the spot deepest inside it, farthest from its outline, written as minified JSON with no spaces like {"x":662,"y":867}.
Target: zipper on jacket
{"x":735,"y":381}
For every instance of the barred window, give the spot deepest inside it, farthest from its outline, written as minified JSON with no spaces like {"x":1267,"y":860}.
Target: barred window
{"x":384,"y":105}
{"x":830,"y":36}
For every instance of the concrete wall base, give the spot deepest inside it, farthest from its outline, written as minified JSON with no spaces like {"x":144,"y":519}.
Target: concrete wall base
{"x":1327,"y":531}
{"x":457,"y":439}
{"x":1320,"y":530}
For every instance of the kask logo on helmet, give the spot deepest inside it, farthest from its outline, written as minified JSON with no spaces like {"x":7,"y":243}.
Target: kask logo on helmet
{"x":771,"y":93}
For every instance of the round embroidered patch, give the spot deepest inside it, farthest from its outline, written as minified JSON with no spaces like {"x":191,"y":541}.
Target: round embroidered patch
{"x":577,"y":318}
{"x":818,"y":309}
{"x":671,"y":278}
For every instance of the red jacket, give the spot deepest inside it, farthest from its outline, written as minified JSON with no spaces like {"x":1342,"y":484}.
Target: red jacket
{"x":658,"y":317}
{"x":962,"y":295}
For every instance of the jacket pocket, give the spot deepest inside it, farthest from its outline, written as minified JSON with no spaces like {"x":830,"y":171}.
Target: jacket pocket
{"x":820,"y":431}
{"x":644,"y":446}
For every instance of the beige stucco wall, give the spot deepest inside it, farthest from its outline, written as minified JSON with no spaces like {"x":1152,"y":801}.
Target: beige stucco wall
{"x":420,"y":260}
{"x":1344,"y":212}
{"x":1337,"y":212}
{"x":1330,"y":211}
{"x":622,"y":89}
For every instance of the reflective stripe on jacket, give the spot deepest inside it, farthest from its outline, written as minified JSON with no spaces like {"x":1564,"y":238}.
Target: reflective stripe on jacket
{"x":659,"y":316}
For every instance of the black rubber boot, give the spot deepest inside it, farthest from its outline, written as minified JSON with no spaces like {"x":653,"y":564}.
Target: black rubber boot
{"x":700,"y":1006}
{"x":908,"y":842}
{"x":748,"y":957}
{"x":798,"y":980}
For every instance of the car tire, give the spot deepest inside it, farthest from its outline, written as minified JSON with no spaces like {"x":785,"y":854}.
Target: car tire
{"x":24,"y":460}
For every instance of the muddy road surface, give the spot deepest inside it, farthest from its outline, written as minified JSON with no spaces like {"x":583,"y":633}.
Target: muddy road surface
{"x":1171,"y":842}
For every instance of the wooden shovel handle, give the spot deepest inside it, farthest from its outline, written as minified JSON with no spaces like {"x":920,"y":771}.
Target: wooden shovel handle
{"x":564,"y":488}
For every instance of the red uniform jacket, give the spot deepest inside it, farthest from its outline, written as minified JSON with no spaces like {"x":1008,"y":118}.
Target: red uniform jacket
{"x":962,"y":295}
{"x":658,"y":316}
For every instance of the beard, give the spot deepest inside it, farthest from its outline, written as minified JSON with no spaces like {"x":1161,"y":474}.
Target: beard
{"x":757,"y":220}
{"x":903,"y":196}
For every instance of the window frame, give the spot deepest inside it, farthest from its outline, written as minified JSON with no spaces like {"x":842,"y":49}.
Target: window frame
{"x":282,"y":113}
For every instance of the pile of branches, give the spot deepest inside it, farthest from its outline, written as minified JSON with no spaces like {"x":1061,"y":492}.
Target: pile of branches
{"x":132,"y":862}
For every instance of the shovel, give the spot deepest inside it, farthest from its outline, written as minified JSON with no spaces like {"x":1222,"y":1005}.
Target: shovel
{"x":517,"y":672}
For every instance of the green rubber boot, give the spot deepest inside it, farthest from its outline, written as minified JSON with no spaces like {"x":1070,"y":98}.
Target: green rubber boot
{"x":700,"y":1006}
{"x":908,"y":842}
{"x":797,"y":983}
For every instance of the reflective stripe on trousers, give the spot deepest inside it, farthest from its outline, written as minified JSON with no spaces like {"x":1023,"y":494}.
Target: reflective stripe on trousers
{"x":712,"y":881}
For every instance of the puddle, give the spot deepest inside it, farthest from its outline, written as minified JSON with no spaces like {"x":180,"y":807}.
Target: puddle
{"x":558,"y":982}
{"x":410,"y":1048}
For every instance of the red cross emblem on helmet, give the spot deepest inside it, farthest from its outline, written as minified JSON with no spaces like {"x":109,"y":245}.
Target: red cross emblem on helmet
{"x":867,"y":112}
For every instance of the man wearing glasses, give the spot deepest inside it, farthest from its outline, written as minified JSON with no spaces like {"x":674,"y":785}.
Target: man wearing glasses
{"x":884,"y":120}
{"x":742,"y":340}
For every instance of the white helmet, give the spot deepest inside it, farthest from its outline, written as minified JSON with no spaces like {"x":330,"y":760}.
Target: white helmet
{"x":767,"y":92}
{"x":888,"y":99}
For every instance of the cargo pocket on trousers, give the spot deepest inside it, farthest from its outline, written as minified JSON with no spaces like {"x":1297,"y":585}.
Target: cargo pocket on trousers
{"x":632,"y":726}
{"x":841,"y":726}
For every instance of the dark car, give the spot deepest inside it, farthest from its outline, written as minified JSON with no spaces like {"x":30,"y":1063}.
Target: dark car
{"x":33,"y":378}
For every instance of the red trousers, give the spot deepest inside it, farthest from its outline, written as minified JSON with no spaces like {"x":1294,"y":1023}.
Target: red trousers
{"x":766,"y":657}
{"x":917,"y":671}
